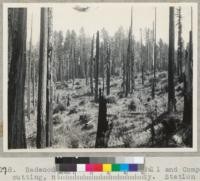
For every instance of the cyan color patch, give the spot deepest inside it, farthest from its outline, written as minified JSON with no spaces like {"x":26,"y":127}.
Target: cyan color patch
{"x":124,"y":167}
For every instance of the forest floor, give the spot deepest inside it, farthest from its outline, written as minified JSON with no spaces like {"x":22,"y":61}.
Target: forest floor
{"x":133,"y":117}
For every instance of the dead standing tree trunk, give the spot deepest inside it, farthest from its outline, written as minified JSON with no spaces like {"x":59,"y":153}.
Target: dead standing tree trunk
{"x":180,"y":44}
{"x":85,"y":66}
{"x":97,"y":68}
{"x":102,"y":64}
{"x":128,"y":61}
{"x":91,"y":66}
{"x":154,"y":59}
{"x":16,"y":84}
{"x":108,"y":71}
{"x":132,"y":70}
{"x":42,"y":85}
{"x":49,"y":119}
{"x":123,"y":72}
{"x":132,"y":56}
{"x":141,"y":57}
{"x":188,"y":79}
{"x":29,"y":75}
{"x":171,"y":92}
{"x":103,"y":129}
{"x":33,"y":85}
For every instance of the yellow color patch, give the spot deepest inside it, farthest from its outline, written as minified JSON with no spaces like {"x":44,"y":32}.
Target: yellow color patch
{"x":107,"y":167}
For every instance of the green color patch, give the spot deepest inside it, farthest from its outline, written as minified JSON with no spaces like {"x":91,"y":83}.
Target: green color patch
{"x":115,"y":167}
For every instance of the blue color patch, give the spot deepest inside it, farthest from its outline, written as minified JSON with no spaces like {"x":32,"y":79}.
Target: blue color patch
{"x":133,"y":167}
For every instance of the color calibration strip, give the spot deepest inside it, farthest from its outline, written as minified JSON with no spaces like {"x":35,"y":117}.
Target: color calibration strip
{"x":99,"y":164}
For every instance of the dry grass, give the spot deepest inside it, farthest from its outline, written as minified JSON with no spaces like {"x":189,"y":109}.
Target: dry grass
{"x":1,"y":129}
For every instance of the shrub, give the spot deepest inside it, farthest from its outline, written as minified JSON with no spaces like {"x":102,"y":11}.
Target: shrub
{"x":148,"y":99}
{"x":151,"y":80}
{"x":113,"y":85}
{"x":179,"y":88}
{"x":162,"y":75}
{"x":72,"y":111}
{"x":65,"y":85}
{"x":87,"y":127}
{"x":78,"y":87}
{"x":132,"y":106}
{"x":111,"y":99}
{"x":77,"y":83}
{"x":120,"y":94}
{"x":57,"y":119}
{"x":127,"y":141}
{"x":81,"y":103}
{"x":84,"y":118}
{"x":74,"y":142}
{"x":58,"y":108}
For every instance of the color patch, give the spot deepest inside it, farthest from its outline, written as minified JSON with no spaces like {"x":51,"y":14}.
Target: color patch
{"x":81,"y":168}
{"x":89,"y":167}
{"x":99,"y":164}
{"x":140,"y":167}
{"x":124,"y":167}
{"x":107,"y":167}
{"x":133,"y":167}
{"x":68,"y":167}
{"x":115,"y":167}
{"x":97,"y":167}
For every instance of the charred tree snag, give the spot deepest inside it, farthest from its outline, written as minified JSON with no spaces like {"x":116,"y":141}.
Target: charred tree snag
{"x":97,"y":68}
{"x":103,"y":129}
{"x":42,"y":85}
{"x":29,"y":76}
{"x":108,"y":70}
{"x":188,"y":86}
{"x":180,"y":44}
{"x":49,"y":118}
{"x":171,"y":92}
{"x":91,"y":66}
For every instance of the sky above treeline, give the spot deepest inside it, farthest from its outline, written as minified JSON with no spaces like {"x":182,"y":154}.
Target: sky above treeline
{"x":111,"y":16}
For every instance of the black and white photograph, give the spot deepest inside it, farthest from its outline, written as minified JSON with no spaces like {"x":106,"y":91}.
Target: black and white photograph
{"x":100,"y":76}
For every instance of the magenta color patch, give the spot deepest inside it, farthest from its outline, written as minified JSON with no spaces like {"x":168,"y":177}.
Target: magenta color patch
{"x":89,"y":168}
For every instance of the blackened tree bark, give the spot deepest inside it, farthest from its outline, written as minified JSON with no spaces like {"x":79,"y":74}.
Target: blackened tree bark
{"x":86,"y":65}
{"x":103,"y":66}
{"x":33,"y":84}
{"x":108,"y":70}
{"x":147,"y":49}
{"x":97,"y":68}
{"x":141,"y":57}
{"x":127,"y":77}
{"x":132,"y":57}
{"x":16,"y":83}
{"x":154,"y":59}
{"x":29,"y":75}
{"x":49,"y":109}
{"x":103,"y":128}
{"x":180,"y":44}
{"x":91,"y":66}
{"x":128,"y":60}
{"x":123,"y":72}
{"x":171,"y":93}
{"x":188,"y":79}
{"x":73,"y":65}
{"x":42,"y":85}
